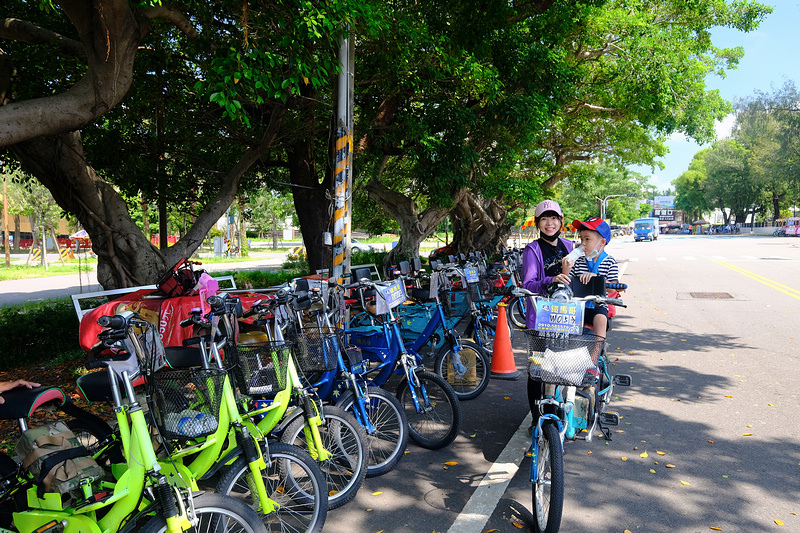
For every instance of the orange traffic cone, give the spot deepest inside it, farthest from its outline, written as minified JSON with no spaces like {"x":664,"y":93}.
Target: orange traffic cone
{"x":503,"y":366}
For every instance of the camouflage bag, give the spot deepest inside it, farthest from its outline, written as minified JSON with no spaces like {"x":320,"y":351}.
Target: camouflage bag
{"x":55,"y":458}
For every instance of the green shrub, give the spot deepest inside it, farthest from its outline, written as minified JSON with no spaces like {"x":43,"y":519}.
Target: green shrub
{"x":38,"y":333}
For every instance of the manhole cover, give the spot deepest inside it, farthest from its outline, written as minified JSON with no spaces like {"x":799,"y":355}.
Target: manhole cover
{"x":711,"y":295}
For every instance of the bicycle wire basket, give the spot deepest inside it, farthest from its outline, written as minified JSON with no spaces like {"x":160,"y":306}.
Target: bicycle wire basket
{"x":185,"y":404}
{"x":562,"y":359}
{"x":315,"y":350}
{"x":259,"y":369}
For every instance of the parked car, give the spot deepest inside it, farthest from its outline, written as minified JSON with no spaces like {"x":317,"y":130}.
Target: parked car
{"x":358,"y":246}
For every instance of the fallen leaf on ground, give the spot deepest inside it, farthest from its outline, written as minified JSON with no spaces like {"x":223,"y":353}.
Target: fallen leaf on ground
{"x":669,"y":466}
{"x":747,"y":434}
{"x":624,"y":458}
{"x":779,"y":522}
{"x":378,"y":493}
{"x":517,"y":525}
{"x":715,"y":528}
{"x":643,"y":454}
{"x":451,"y":463}
{"x":661,"y":453}
{"x":652,"y":471}
{"x":685,"y":482}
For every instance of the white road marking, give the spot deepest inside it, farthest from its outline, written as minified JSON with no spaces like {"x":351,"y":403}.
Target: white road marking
{"x":481,"y":505}
{"x":633,"y":259}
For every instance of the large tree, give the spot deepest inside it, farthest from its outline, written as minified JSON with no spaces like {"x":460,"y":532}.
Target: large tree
{"x":204,"y":88}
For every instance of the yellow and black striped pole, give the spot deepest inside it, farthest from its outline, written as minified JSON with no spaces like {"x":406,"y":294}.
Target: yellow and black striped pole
{"x":343,"y":177}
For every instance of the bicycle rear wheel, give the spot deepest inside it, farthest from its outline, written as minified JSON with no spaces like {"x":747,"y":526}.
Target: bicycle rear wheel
{"x":346,"y":440}
{"x":438,"y":420}
{"x":548,"y":490}
{"x":474,"y":377}
{"x":387,"y":443}
{"x":215,"y":512}
{"x":293,"y":480}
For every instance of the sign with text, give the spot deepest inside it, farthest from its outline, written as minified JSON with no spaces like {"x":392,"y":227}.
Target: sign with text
{"x":471,"y":274}
{"x":559,"y":317}
{"x":392,"y":295}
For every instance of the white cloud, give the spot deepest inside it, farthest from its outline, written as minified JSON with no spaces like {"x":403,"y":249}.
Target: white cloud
{"x":725,"y":126}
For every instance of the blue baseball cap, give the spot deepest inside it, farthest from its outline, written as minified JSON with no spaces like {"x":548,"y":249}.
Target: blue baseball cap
{"x":595,"y":224}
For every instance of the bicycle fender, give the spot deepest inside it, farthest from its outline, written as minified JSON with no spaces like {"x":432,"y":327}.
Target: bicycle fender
{"x":288,"y":417}
{"x":225,"y":460}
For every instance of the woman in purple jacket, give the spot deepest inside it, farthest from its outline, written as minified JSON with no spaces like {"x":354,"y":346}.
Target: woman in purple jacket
{"x":542,"y":263}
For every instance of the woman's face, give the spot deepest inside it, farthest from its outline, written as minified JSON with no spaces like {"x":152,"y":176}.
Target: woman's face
{"x":549,"y":225}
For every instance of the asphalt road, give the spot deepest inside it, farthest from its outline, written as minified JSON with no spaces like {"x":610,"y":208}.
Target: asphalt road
{"x":710,"y":338}
{"x":714,"y":395}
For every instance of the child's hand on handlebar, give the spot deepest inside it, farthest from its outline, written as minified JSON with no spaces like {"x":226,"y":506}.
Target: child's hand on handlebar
{"x":586,"y":276}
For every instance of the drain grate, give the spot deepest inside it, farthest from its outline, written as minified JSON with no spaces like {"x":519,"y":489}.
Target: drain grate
{"x":711,"y":295}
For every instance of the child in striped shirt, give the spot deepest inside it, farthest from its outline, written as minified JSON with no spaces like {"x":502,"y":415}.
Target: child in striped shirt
{"x":595,"y":235}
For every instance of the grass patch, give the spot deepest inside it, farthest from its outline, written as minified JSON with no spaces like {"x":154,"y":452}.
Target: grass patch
{"x":44,"y":332}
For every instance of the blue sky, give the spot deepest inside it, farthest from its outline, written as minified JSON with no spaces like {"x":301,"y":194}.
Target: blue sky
{"x":768,"y":62}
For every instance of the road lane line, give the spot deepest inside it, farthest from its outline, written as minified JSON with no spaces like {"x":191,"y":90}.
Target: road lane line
{"x":794,"y":293}
{"x":481,"y":505}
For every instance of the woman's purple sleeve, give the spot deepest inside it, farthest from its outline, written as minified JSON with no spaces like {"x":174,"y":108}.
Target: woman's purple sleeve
{"x":533,"y":277}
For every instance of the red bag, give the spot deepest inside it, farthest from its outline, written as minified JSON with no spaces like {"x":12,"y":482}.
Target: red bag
{"x":178,"y":280}
{"x":612,"y":309}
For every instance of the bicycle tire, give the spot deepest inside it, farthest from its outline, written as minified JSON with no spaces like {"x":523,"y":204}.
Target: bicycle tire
{"x":387,"y":443}
{"x":440,"y":421}
{"x":293,"y":479}
{"x":548,"y":491}
{"x":465,"y":386}
{"x":485,"y":334}
{"x":517,"y":313}
{"x":91,"y":436}
{"x":344,"y":437}
{"x":216,"y":513}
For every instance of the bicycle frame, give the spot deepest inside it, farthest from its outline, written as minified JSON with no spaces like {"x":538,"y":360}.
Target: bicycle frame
{"x":126,"y":493}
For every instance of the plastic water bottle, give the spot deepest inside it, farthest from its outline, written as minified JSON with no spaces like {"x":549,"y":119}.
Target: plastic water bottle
{"x":191,"y":423}
{"x":183,"y":423}
{"x":575,"y":254}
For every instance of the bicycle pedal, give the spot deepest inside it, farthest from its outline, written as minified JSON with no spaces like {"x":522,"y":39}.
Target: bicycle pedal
{"x":623,"y":380}
{"x":609,"y":418}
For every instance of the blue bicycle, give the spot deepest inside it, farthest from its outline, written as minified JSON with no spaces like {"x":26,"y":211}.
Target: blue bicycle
{"x":578,"y":387}
{"x":431,"y":405}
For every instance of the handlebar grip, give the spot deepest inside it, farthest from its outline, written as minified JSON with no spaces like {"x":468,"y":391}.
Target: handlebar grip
{"x":186,"y":322}
{"x":616,"y":286}
{"x":96,"y":363}
{"x":615,"y":301}
{"x":114,"y":322}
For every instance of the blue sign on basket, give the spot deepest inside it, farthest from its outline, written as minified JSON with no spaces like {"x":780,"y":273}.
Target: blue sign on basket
{"x":471,"y":274}
{"x":559,"y":317}
{"x":393,"y":295}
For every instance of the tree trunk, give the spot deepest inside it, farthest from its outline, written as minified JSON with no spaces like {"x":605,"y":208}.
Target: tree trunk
{"x":479,"y":224}
{"x":310,"y":196}
{"x":414,"y":226}
{"x":776,"y":206}
{"x":125,"y":256}
{"x":17,"y":233}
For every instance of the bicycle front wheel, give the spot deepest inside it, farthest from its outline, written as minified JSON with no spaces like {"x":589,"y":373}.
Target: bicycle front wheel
{"x":387,"y":441}
{"x":293,"y":481}
{"x":548,"y":490}
{"x":435,"y":418}
{"x":518,"y":312}
{"x":345,"y":439}
{"x":215,"y":512}
{"x":468,"y":373}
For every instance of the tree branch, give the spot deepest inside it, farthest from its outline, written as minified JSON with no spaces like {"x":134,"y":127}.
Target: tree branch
{"x":14,"y":29}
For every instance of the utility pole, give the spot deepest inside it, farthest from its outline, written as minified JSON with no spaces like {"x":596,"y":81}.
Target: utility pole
{"x":604,"y":201}
{"x":343,"y":164}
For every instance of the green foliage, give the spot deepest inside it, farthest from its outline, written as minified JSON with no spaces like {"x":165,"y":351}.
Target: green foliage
{"x":42,"y":333}
{"x":580,"y":192}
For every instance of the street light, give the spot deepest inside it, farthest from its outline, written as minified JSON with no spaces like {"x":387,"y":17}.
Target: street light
{"x":604,"y":201}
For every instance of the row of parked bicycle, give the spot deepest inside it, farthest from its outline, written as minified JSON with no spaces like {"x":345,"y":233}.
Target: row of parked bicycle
{"x":275,"y":401}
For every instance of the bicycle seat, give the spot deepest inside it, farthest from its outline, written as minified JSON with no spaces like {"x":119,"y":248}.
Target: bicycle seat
{"x":20,"y":402}
{"x":421,"y":294}
{"x":183,"y":357}
{"x":94,"y":386}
